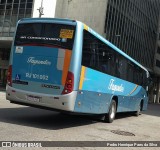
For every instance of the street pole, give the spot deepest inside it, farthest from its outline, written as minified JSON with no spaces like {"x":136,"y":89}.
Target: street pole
{"x":41,"y":10}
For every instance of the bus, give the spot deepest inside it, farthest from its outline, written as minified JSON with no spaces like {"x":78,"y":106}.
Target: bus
{"x":65,"y":65}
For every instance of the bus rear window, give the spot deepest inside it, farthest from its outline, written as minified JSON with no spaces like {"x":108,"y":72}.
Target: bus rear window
{"x":45,"y":34}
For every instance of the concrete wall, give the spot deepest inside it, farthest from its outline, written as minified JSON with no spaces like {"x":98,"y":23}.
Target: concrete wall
{"x":90,"y":12}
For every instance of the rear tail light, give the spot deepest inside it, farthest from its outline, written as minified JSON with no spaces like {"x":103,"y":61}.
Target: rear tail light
{"x":9,"y":76}
{"x":68,"y":88}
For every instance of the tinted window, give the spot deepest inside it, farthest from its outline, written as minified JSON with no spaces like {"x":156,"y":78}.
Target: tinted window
{"x":45,"y":34}
{"x":99,"y":56}
{"x":130,"y":72}
{"x":158,"y":63}
{"x":122,"y":66}
{"x":158,"y":50}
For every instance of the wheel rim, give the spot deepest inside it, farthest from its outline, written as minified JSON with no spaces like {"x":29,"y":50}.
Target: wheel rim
{"x":112,"y":114}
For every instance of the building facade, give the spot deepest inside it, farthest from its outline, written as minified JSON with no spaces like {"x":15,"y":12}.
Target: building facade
{"x":132,"y":25}
{"x":156,"y":87}
{"x":10,"y":12}
{"x":91,"y":12}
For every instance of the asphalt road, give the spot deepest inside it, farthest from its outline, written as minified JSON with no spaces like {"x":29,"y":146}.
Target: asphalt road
{"x":21,"y":123}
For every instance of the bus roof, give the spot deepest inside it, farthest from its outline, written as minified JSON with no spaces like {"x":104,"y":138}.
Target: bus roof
{"x":48,"y":20}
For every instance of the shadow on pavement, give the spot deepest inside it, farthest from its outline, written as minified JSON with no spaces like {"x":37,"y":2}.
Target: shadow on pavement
{"x":124,"y":115}
{"x":153,"y":110}
{"x":44,"y":119}
{"x":39,"y":118}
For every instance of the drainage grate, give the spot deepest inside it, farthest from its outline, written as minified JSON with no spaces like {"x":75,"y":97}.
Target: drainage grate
{"x":122,"y":133}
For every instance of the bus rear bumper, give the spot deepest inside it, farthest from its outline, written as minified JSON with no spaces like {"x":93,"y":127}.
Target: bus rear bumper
{"x":59,"y":102}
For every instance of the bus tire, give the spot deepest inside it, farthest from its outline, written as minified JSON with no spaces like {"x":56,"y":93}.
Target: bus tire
{"x":111,"y":113}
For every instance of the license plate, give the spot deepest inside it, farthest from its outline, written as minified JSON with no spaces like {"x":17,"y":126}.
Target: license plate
{"x":33,"y":98}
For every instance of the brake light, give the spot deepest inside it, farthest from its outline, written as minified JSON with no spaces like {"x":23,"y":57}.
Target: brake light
{"x":68,"y":88}
{"x":9,"y":76}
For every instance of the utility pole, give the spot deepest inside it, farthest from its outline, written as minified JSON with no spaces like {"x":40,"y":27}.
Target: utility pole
{"x":41,"y":10}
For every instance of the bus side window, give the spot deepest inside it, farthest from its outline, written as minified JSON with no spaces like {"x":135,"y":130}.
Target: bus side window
{"x":138,"y":76}
{"x":94,"y":60}
{"x":139,"y":82}
{"x":130,"y":71}
{"x":105,"y":63}
{"x":117,"y":73}
{"x":107,"y":59}
{"x":90,"y":56}
{"x":111,"y":63}
{"x":86,"y":55}
{"x":122,"y":67}
{"x":141,"y":78}
{"x":145,"y":80}
{"x":103,"y":60}
{"x":97,"y":55}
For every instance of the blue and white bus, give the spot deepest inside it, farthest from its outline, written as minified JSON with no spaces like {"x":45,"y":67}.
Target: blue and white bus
{"x":64,"y":65}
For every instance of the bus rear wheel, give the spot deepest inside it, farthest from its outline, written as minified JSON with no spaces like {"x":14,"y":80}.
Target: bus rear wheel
{"x":111,"y":113}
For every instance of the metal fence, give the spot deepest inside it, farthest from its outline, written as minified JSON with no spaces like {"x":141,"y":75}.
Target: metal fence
{"x":10,"y":12}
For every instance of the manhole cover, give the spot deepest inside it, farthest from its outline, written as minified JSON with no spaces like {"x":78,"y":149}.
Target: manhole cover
{"x":122,"y":133}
